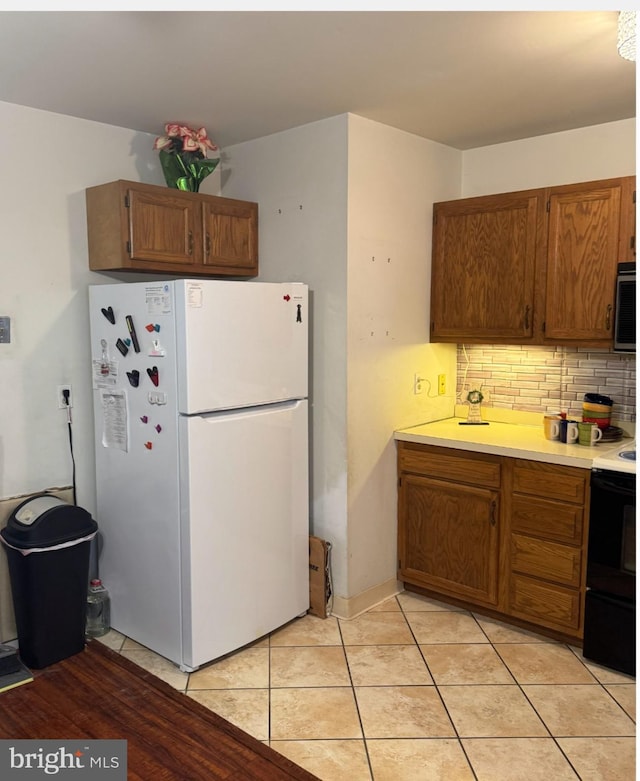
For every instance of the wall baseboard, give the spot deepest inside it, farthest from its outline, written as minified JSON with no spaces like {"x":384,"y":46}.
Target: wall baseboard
{"x":353,"y":606}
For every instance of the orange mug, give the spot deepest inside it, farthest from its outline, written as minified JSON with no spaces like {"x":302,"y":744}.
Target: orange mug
{"x":551,"y":425}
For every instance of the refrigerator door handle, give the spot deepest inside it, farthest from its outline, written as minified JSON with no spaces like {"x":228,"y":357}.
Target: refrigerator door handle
{"x":260,"y":409}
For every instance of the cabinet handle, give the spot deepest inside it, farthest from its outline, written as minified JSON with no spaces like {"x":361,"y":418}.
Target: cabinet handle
{"x":492,"y":517}
{"x":190,"y":242}
{"x":608,"y":317}
{"x":527,"y":310}
{"x":207,"y":244}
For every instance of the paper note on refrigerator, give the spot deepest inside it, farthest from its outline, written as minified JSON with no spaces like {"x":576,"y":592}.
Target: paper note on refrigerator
{"x":115,"y":432}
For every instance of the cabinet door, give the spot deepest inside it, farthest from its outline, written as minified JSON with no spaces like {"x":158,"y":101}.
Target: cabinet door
{"x":483,"y":272}
{"x":582,"y":258}
{"x":448,"y":538}
{"x":162,"y":228}
{"x":230,"y":231}
{"x":627,"y":251}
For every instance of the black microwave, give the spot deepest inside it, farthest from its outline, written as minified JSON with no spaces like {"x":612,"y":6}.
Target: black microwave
{"x":625,"y":320}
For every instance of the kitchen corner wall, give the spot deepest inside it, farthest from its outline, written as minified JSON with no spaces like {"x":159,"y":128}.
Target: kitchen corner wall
{"x":346,"y":206}
{"x":394,"y":178}
{"x":544,"y":379}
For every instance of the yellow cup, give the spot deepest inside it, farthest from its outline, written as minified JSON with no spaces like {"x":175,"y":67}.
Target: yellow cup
{"x":551,"y":425}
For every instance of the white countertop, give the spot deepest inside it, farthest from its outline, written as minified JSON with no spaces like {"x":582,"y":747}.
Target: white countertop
{"x":504,"y":439}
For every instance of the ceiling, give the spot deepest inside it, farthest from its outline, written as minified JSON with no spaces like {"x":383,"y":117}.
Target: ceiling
{"x":464,"y":78}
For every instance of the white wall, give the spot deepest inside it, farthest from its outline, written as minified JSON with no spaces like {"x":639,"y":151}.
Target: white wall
{"x":314,"y":183}
{"x":582,"y":155}
{"x":298,"y":177}
{"x":394,"y":179}
{"x":48,"y":162}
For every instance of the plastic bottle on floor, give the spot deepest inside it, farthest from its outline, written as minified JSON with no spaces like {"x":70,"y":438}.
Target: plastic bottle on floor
{"x":98,"y":610}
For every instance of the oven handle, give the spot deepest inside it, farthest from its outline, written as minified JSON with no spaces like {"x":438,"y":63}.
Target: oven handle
{"x":608,"y":485}
{"x":609,"y":599}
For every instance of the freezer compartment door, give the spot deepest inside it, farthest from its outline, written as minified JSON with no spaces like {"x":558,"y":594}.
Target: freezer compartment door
{"x":240,"y":344}
{"x":245,"y":526}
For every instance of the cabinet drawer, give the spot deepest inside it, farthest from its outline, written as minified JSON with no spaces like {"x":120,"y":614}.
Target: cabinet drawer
{"x":547,"y":560}
{"x":551,"y":520}
{"x":553,"y":606}
{"x":458,"y":466}
{"x":556,"y":482}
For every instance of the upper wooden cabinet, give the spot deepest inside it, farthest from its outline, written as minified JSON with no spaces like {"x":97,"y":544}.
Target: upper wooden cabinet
{"x":584,"y":247}
{"x":483,"y":272}
{"x":143,"y":227}
{"x":531,"y":267}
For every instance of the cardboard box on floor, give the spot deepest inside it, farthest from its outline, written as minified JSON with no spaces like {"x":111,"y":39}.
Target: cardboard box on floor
{"x":319,"y":587}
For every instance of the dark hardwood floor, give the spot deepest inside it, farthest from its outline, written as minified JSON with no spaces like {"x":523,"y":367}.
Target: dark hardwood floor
{"x":98,"y":694}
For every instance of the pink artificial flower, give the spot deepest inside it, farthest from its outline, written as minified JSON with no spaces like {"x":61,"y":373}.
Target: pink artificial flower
{"x":204,"y":141}
{"x":189,"y":144}
{"x":192,"y":140}
{"x":162,"y":142}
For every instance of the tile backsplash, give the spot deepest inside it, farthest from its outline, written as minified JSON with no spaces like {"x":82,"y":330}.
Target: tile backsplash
{"x":541,"y":378}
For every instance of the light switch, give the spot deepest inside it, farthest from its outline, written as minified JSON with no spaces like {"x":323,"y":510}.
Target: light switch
{"x":5,"y":330}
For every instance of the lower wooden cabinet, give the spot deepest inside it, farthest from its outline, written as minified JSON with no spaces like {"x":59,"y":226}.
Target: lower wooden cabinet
{"x":449,"y":530}
{"x":504,"y":534}
{"x":547,"y":553}
{"x":450,"y":539}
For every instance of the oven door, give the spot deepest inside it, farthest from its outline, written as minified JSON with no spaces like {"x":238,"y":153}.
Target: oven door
{"x":611,"y":560}
{"x":610,"y":632}
{"x":610,"y":610}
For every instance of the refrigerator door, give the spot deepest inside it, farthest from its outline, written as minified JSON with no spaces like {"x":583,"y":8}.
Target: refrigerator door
{"x":137,"y":463}
{"x":240,"y":344}
{"x":245,"y":526}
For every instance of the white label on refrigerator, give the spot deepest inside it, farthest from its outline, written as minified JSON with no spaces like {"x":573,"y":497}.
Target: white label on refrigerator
{"x":114,"y":419}
{"x":158,"y":299}
{"x":194,"y":294}
{"x":105,"y":375}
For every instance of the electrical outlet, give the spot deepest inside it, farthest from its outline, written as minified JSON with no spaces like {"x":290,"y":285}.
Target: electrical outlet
{"x":442,"y":384}
{"x":62,"y":402}
{"x":418,"y":384}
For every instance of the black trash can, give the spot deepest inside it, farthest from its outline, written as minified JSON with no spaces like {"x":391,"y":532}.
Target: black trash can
{"x":47,"y":543}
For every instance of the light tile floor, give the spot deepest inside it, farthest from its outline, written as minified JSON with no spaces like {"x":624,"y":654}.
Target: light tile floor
{"x":414,"y":689}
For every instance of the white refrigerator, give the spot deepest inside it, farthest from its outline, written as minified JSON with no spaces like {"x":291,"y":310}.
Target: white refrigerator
{"x":202,"y":460}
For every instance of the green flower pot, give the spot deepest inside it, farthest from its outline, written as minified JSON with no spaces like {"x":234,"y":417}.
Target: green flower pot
{"x":185,"y":170}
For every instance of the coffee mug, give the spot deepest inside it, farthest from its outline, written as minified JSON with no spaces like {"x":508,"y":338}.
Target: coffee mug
{"x":589,"y":434}
{"x":551,"y":424}
{"x":569,"y":431}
